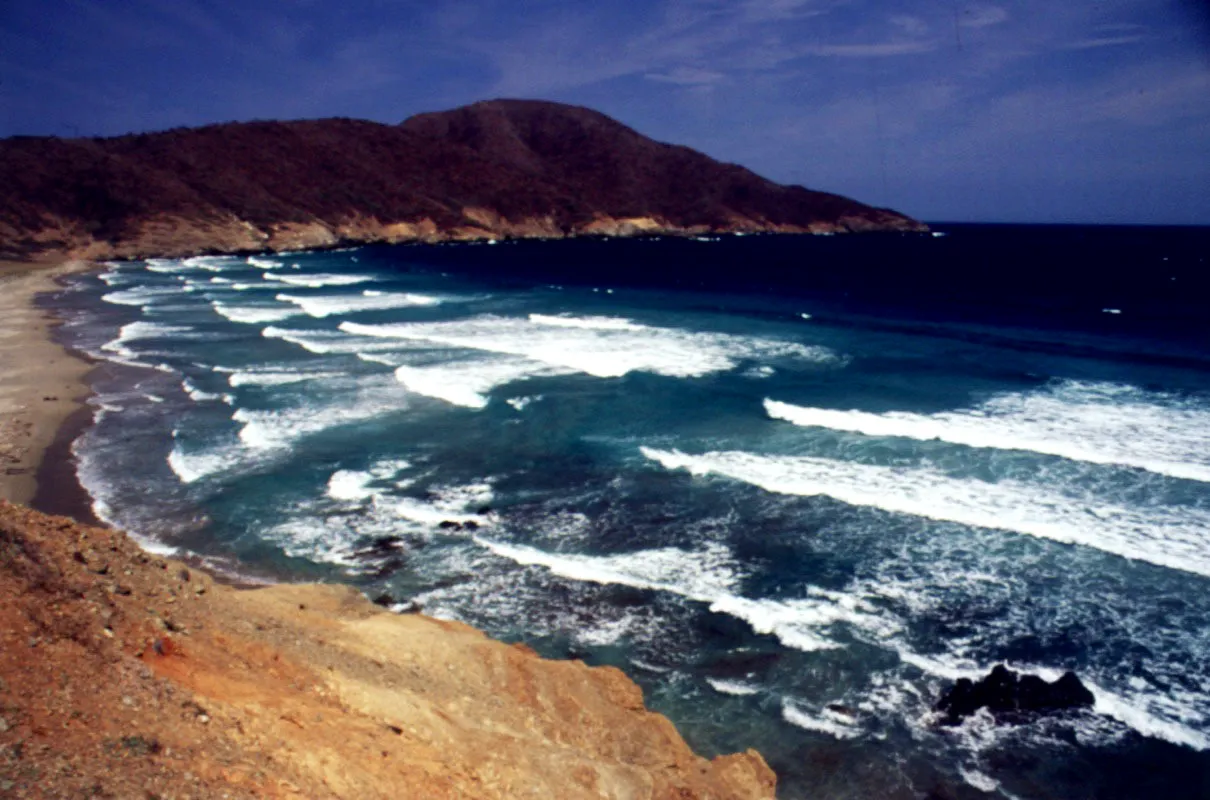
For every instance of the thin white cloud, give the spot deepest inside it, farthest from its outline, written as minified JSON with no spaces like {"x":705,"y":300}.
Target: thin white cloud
{"x":766,"y":10}
{"x":687,"y":76}
{"x":872,"y":50}
{"x":911,"y":26}
{"x":1103,"y":41}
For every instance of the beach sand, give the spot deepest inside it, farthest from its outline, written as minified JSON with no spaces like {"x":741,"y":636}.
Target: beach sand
{"x":41,"y":383}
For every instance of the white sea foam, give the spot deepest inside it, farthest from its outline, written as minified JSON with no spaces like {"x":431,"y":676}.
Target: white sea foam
{"x":330,"y":342}
{"x":603,"y":633}
{"x":318,"y":280}
{"x":1100,"y":423}
{"x":442,"y":504}
{"x":1176,"y":537}
{"x":1136,"y":712}
{"x":140,"y":295}
{"x":587,"y":323}
{"x":276,"y":376}
{"x":709,"y":575}
{"x":325,"y":306}
{"x":467,"y":382}
{"x":804,"y":623}
{"x":167,"y":266}
{"x":356,"y":485}
{"x":350,"y":485}
{"x":255,"y":315}
{"x":599,"y":346}
{"x":193,"y":465}
{"x":1149,"y":715}
{"x":705,"y":574}
{"x":115,"y":276}
{"x":263,"y":263}
{"x":983,"y":783}
{"x":280,"y":429}
{"x":142,"y":329}
{"x":736,"y":688}
{"x":209,"y":265}
{"x":200,"y":396}
{"x":424,"y":513}
{"x":519,"y":403}
{"x":797,"y":714}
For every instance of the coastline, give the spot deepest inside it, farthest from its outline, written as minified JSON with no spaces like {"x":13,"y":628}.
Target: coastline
{"x":291,"y":690}
{"x":43,"y":386}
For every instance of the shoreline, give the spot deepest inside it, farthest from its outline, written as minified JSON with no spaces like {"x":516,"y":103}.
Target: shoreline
{"x":44,"y":387}
{"x":289,"y":690}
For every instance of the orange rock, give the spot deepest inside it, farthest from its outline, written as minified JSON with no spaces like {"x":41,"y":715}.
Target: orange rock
{"x":265,"y":698}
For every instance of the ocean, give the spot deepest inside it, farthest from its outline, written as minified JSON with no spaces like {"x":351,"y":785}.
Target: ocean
{"x":793,"y":486}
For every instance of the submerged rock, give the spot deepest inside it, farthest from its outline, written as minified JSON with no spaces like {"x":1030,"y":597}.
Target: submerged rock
{"x":1010,"y":696}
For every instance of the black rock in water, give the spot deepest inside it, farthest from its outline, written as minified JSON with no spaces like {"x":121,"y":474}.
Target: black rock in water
{"x":1010,"y":696}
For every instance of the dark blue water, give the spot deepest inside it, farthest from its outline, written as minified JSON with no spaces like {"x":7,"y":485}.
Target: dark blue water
{"x":794,"y":486}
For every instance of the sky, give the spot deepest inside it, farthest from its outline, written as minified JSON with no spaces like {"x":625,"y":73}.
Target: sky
{"x":1011,"y":111}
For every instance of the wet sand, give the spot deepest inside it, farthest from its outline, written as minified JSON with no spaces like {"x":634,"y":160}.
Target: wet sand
{"x":41,"y":383}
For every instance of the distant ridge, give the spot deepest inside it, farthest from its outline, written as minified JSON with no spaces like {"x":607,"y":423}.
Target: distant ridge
{"x":495,"y":169}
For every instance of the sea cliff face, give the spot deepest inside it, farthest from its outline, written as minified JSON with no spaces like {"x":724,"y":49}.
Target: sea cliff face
{"x":126,"y":674}
{"x":498,"y":169}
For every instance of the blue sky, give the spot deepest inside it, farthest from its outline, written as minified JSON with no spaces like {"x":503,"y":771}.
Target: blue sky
{"x":947,"y":110}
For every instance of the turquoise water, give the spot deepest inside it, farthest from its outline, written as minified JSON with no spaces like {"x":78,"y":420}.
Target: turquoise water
{"x":794,"y":513}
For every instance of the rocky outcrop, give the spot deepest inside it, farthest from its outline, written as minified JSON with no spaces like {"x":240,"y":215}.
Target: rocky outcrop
{"x":1012,"y":697}
{"x":123,"y":674}
{"x":498,"y":169}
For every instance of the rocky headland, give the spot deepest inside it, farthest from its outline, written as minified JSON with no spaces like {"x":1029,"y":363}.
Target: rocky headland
{"x":496,"y":169}
{"x":124,"y":674}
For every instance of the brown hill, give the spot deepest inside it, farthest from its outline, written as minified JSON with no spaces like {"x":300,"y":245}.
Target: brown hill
{"x":496,"y":169}
{"x":126,"y":675}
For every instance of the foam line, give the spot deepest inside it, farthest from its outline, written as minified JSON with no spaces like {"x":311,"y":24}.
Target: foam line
{"x":140,"y":296}
{"x":318,"y":280}
{"x":735,"y":688}
{"x":329,"y":342}
{"x":798,"y":715}
{"x":1175,"y":537}
{"x":255,"y":315}
{"x":275,"y":377}
{"x":280,"y":429}
{"x":326,"y":306}
{"x":710,"y":575}
{"x":600,"y":346}
{"x":467,"y":382}
{"x":192,"y":466}
{"x":1099,"y":423}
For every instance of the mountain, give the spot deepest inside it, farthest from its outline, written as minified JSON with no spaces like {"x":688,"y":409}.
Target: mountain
{"x":496,"y":169}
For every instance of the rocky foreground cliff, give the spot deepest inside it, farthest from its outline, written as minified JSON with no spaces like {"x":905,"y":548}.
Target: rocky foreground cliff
{"x":123,"y":674}
{"x":497,"y":169}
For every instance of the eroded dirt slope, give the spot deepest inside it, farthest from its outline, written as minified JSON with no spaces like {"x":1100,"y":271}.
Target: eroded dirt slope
{"x":123,"y":674}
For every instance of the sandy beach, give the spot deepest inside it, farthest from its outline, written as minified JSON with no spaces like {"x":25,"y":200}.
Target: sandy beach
{"x":41,"y":383}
